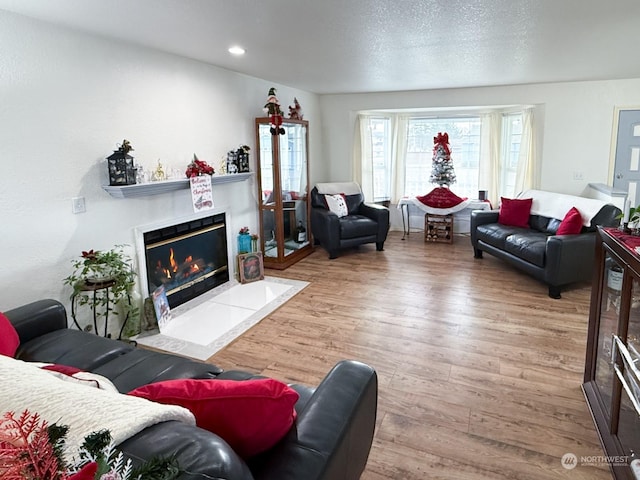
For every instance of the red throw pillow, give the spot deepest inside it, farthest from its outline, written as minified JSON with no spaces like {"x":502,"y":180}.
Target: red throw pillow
{"x":514,"y":212}
{"x":88,"y":472}
{"x":250,"y":415}
{"x":9,"y":339}
{"x":571,"y":223}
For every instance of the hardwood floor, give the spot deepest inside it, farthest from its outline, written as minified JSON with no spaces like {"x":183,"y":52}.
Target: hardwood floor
{"x":479,"y":370}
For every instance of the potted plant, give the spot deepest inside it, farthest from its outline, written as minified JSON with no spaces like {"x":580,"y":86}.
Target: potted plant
{"x":102,"y":279}
{"x":634,"y":218}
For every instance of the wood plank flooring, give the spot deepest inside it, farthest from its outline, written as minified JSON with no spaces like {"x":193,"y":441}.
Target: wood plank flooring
{"x":479,"y":370}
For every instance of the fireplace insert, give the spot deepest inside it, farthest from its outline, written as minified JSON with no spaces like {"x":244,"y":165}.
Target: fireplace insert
{"x":188,"y":258}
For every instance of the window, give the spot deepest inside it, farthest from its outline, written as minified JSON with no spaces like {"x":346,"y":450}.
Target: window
{"x":511,"y":136}
{"x":400,"y":164}
{"x":464,"y":138}
{"x":380,"y":132}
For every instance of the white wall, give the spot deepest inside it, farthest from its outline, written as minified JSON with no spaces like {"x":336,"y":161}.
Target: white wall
{"x":66,"y":100}
{"x":577,"y":120}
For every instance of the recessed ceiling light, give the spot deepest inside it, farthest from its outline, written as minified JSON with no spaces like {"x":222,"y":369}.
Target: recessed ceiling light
{"x":236,"y":50}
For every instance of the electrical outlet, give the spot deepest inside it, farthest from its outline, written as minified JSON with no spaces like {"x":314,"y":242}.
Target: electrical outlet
{"x":578,"y":176}
{"x":78,"y":205}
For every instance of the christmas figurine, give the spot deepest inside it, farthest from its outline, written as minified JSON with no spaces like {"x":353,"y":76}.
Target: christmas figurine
{"x":272,"y":107}
{"x":442,"y":171}
{"x":295,"y":112}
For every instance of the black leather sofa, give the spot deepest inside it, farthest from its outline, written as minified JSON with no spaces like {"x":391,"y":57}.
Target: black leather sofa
{"x":330,"y":439}
{"x":365,"y":223}
{"x":556,"y":260}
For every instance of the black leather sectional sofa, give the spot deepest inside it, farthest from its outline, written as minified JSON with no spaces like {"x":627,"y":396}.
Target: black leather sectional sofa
{"x":330,"y":439}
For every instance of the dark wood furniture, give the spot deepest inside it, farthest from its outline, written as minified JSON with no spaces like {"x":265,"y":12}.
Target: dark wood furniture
{"x":611,"y":381}
{"x":283,"y":192}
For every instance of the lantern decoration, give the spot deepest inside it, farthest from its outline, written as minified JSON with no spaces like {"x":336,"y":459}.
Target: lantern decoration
{"x":121,"y":169}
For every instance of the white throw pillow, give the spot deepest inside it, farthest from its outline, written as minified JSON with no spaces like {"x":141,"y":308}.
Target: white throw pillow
{"x":337,"y":204}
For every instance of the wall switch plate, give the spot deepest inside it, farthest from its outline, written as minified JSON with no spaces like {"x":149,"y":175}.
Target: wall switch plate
{"x":78,"y":205}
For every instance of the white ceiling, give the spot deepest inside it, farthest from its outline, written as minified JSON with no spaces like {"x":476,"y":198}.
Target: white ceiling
{"x":331,"y":46}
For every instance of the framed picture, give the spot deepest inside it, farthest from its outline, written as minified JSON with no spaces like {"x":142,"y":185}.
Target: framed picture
{"x":250,"y":267}
{"x":161,"y":306}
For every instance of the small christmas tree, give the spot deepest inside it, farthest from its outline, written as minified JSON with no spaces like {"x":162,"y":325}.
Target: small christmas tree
{"x":442,"y":171}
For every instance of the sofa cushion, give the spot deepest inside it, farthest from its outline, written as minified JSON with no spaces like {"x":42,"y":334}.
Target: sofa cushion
{"x":251,"y":416}
{"x":73,"y":348}
{"x":9,"y":340}
{"x":140,"y":367}
{"x":571,"y":223}
{"x":356,"y":226}
{"x":530,"y":246}
{"x":495,"y":234}
{"x":515,"y":211}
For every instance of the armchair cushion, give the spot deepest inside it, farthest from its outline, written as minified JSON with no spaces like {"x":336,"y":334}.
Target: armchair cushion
{"x":355,"y":226}
{"x":337,"y":204}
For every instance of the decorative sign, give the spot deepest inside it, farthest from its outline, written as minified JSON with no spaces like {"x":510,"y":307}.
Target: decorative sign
{"x":201,"y":193}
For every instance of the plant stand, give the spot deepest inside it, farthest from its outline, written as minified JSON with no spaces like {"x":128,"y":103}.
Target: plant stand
{"x":95,"y":289}
{"x":438,"y":228}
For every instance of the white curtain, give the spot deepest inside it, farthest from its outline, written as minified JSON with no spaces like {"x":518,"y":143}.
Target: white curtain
{"x":398,"y":154}
{"x":526,"y":175}
{"x":489,"y":168}
{"x":362,"y":157}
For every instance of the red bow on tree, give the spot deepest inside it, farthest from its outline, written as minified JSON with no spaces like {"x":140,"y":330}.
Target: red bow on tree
{"x":442,"y":139}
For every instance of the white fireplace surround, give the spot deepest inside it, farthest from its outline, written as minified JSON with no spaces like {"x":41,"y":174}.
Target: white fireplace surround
{"x":140,"y":247}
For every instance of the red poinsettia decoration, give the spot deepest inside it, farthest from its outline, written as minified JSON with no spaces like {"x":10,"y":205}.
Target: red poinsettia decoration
{"x":198,"y":167}
{"x":27,"y":450}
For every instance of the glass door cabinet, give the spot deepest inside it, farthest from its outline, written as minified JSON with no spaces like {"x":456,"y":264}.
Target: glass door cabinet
{"x":612,"y":376}
{"x":283,"y":192}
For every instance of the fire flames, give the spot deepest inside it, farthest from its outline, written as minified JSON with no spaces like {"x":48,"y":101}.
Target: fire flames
{"x":176,"y":270}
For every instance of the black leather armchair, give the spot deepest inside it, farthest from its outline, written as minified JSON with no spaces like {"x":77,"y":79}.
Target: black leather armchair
{"x":365,"y":223}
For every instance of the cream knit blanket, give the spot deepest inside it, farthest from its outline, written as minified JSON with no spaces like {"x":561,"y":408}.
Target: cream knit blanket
{"x":83,"y":409}
{"x":556,"y":205}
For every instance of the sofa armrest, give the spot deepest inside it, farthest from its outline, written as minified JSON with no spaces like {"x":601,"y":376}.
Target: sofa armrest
{"x":325,"y":227}
{"x":481,"y":217}
{"x":333,"y":432}
{"x":569,"y":258}
{"x":37,"y":318}
{"x":380,"y":215}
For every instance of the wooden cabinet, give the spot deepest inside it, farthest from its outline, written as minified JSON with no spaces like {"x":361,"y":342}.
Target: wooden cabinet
{"x":283,"y":192}
{"x":612,"y":379}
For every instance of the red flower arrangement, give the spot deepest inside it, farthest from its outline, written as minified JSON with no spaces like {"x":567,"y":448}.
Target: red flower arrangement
{"x":198,"y":167}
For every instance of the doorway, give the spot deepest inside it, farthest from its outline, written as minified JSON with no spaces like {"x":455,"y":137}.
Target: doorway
{"x":626,"y":170}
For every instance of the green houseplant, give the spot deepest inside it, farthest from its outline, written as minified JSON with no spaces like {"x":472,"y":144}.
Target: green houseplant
{"x":103,"y":279}
{"x":634,"y":218}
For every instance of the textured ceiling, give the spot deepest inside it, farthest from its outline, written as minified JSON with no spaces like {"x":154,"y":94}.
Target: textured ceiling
{"x":352,"y":46}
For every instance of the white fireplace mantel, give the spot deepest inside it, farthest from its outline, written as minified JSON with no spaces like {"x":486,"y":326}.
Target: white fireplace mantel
{"x":165,"y":186}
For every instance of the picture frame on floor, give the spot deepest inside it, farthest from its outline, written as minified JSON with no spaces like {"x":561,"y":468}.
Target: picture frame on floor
{"x":250,"y":267}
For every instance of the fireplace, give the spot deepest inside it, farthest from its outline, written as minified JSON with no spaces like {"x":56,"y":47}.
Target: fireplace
{"x":187,"y":258}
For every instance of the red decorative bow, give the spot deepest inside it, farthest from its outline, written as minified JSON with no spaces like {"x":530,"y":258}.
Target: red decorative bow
{"x":442,"y":139}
